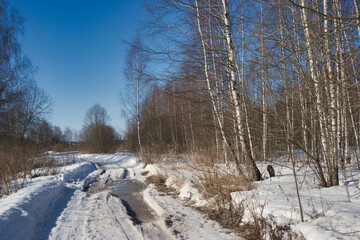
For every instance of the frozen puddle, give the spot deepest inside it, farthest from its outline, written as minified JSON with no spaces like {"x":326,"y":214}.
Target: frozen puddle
{"x":129,"y":192}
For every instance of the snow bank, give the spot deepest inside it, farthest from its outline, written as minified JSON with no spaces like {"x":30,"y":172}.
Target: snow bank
{"x":77,"y":171}
{"x":186,"y":191}
{"x":22,"y":212}
{"x":180,"y":177}
{"x":184,"y":222}
{"x":125,"y":159}
{"x":329,"y":213}
{"x":154,"y":170}
{"x":311,"y":231}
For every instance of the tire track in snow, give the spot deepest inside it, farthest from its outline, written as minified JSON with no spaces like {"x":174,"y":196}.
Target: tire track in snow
{"x":100,"y":215}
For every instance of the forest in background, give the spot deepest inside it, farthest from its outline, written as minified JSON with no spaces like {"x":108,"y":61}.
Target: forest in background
{"x":241,"y":81}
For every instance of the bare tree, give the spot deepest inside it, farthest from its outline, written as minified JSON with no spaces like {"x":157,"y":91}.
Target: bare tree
{"x":36,"y":106}
{"x":97,"y":135}
{"x":68,"y":135}
{"x":135,"y":67}
{"x":57,"y":135}
{"x":15,"y":69}
{"x":234,"y":85}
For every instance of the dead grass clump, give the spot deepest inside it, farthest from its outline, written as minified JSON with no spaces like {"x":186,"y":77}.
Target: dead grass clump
{"x":15,"y":165}
{"x":259,"y":229}
{"x":206,"y":157}
{"x":44,"y":165}
{"x":159,"y":181}
{"x":45,"y":161}
{"x":70,"y":159}
{"x":262,"y":228}
{"x":215,"y":185}
{"x":53,"y":172}
{"x":150,"y":158}
{"x":228,"y":218}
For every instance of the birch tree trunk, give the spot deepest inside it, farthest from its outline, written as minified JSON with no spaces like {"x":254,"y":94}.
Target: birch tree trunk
{"x":218,"y":91}
{"x":263,"y":87}
{"x":234,"y":92}
{"x":208,"y":83}
{"x":135,"y":66}
{"x":241,"y":76}
{"x":138,"y":113}
{"x":318,"y":97}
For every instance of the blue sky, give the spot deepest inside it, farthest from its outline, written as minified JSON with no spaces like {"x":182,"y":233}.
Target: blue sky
{"x":78,"y":49}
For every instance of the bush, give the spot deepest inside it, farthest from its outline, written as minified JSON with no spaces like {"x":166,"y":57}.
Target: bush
{"x":15,"y":163}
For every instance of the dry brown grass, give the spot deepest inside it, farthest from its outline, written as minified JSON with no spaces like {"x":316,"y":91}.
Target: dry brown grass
{"x":215,"y":184}
{"x":206,"y":157}
{"x":265,"y":228}
{"x":15,"y":165}
{"x":159,"y":182}
{"x":227,"y":218}
{"x":17,"y":160}
{"x":150,"y":158}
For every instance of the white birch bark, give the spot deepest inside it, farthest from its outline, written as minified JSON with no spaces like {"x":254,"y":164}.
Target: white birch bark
{"x":315,"y":80}
{"x":219,"y":94}
{"x":207,"y":78}
{"x":138,"y":113}
{"x":241,"y":76}
{"x":234,"y":91}
{"x":330,"y":79}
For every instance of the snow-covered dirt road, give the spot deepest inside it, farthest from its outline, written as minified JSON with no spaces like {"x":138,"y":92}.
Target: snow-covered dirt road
{"x":101,"y":197}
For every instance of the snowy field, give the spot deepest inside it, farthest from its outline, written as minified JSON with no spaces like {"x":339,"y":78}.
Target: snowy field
{"x":61,"y":207}
{"x":329,"y":213}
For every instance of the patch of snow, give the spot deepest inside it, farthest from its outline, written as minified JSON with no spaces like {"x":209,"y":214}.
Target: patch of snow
{"x":154,"y":169}
{"x":329,"y":213}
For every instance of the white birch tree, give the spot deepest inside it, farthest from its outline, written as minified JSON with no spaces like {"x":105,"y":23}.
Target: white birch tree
{"x":135,"y":67}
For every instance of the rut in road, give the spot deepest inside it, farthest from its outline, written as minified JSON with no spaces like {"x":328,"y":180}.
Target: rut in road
{"x":108,"y":205}
{"x":129,"y":192}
